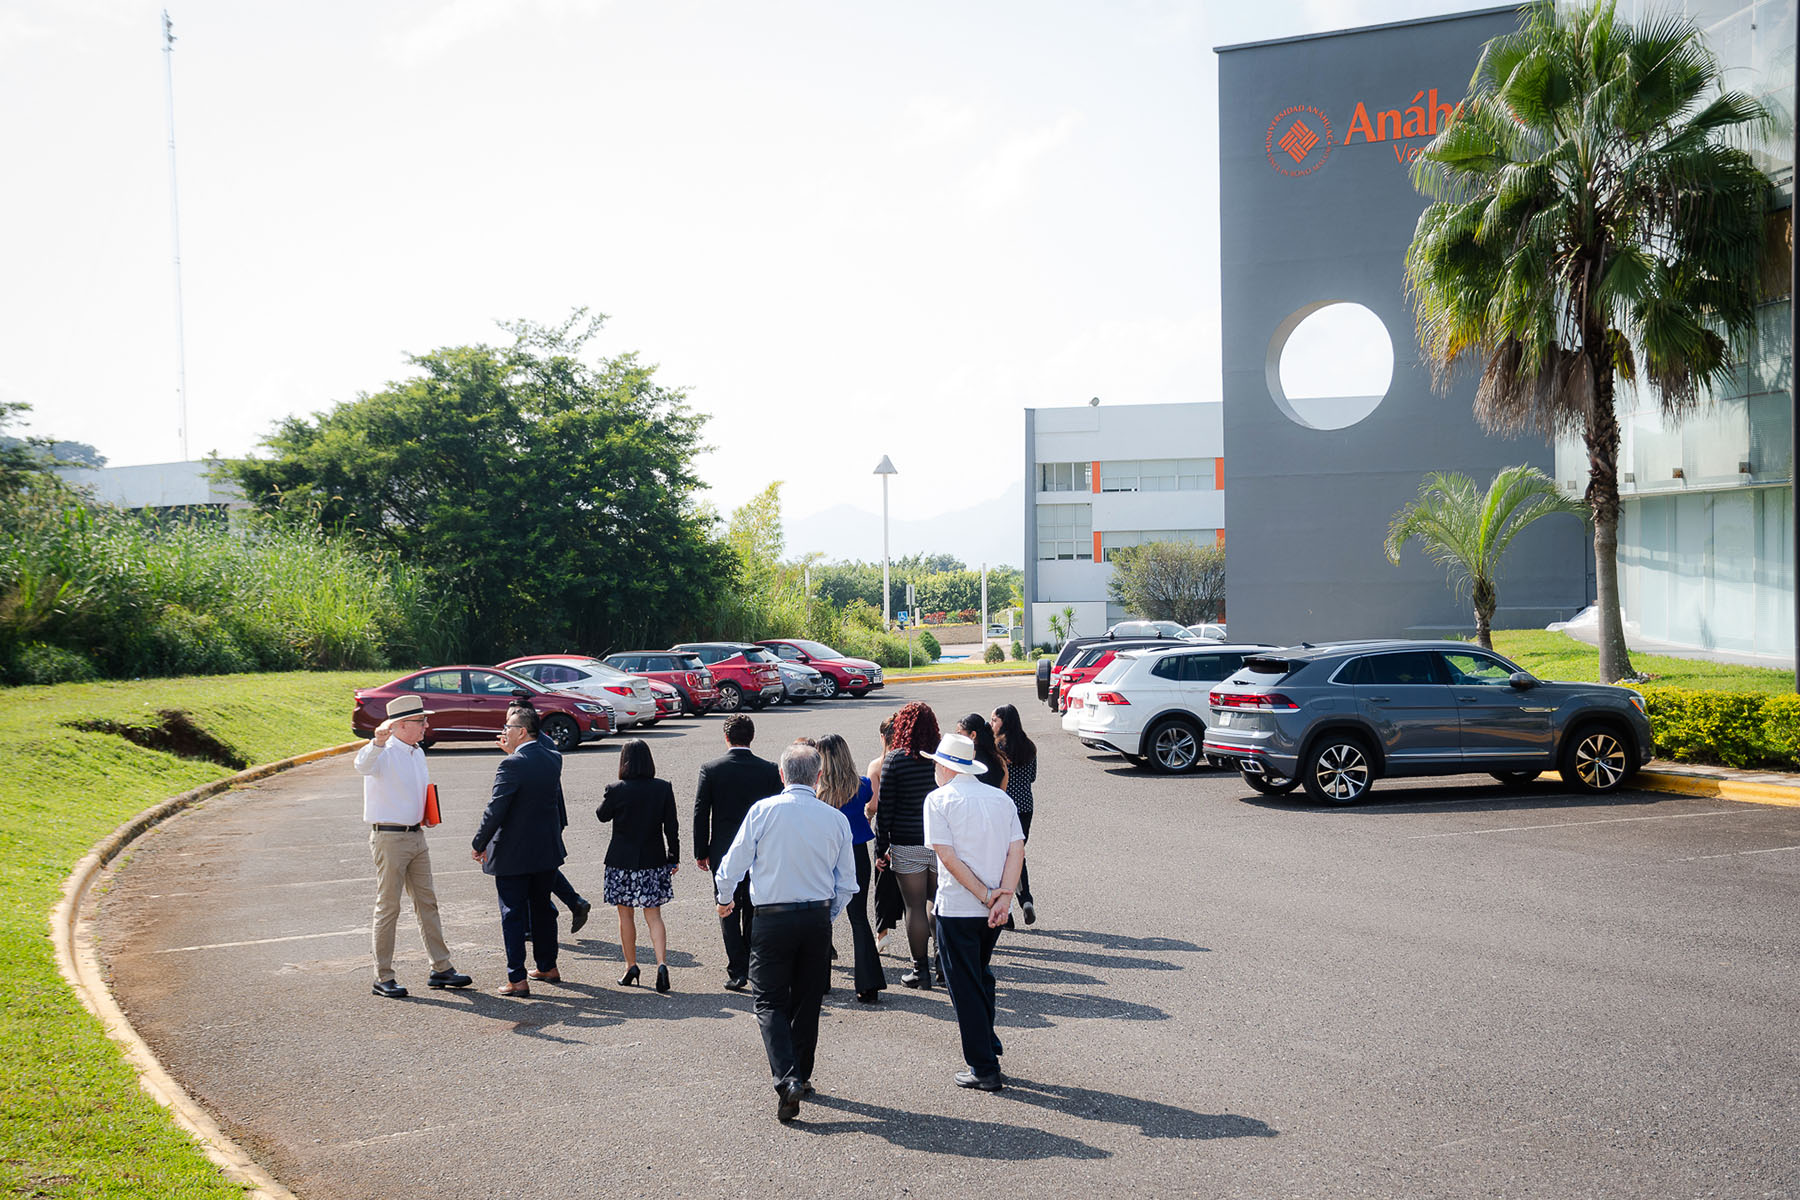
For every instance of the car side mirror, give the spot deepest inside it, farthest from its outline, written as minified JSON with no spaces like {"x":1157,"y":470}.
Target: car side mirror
{"x":521,"y":694}
{"x":802,"y":658}
{"x":1523,"y":680}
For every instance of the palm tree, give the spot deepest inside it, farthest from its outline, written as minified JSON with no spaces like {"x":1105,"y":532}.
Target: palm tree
{"x":1590,"y":222}
{"x":1469,"y":533}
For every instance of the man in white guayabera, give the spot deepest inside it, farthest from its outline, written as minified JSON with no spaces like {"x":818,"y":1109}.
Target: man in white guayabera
{"x":394,"y":781}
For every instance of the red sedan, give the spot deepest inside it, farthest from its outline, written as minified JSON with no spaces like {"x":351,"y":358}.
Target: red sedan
{"x":858,"y":676}
{"x":465,"y":704}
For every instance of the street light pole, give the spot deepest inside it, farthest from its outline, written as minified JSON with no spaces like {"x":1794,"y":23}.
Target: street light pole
{"x":884,"y":468}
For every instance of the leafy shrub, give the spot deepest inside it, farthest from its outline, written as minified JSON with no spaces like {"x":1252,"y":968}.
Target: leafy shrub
{"x":1018,"y":650}
{"x":39,"y":663}
{"x":1781,"y":726}
{"x":1736,"y":729}
{"x":994,"y":653}
{"x":928,"y":645}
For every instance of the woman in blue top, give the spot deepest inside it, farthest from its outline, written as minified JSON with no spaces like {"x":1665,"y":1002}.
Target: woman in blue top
{"x":842,"y":788}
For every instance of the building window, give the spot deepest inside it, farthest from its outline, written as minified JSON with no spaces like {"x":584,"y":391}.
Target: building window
{"x":1158,"y":475}
{"x":1118,"y":539}
{"x":1065,"y":531}
{"x":1065,"y":477}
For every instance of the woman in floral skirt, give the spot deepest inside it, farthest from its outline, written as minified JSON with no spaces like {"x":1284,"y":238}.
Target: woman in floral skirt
{"x":644,"y":855}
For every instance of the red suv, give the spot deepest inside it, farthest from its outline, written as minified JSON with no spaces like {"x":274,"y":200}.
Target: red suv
{"x":464,"y":704}
{"x":747,"y":674}
{"x":683,"y":672}
{"x":858,"y":676}
{"x":1089,"y":662}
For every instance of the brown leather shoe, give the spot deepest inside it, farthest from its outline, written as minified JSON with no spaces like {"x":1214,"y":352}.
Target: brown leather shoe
{"x":520,"y":989}
{"x":551,"y":976}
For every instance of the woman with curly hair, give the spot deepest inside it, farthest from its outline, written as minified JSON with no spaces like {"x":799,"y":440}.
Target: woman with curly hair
{"x":907,"y":777}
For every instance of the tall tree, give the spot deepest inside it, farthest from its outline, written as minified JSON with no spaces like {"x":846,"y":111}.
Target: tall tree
{"x":553,"y":497}
{"x":1590,"y":222}
{"x":1468,"y":532}
{"x":1169,"y":581}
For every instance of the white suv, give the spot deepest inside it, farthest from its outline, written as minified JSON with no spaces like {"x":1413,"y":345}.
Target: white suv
{"x":1150,"y":705}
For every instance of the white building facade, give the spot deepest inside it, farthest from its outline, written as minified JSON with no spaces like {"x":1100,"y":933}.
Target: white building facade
{"x":1102,"y":477}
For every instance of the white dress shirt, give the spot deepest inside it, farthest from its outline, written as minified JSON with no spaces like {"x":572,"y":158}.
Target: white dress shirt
{"x":980,"y":823}
{"x":394,"y":779}
{"x":796,"y":847}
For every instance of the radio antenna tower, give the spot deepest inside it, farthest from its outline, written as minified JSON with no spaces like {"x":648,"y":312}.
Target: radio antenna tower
{"x":181,"y":428}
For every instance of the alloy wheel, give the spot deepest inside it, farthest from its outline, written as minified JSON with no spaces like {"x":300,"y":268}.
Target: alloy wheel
{"x":1600,"y":761}
{"x":1175,"y":748}
{"x":1341,"y":772}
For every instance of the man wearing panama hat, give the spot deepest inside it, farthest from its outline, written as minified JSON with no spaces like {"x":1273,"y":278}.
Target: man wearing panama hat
{"x":394,"y":780}
{"x":974,"y":830}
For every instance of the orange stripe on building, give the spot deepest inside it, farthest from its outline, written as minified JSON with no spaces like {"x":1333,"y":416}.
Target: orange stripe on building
{"x":1096,"y":481}
{"x":1219,"y":536}
{"x":1219,"y":474}
{"x":1096,"y":545}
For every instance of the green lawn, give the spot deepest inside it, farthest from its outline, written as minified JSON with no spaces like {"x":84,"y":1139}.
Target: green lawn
{"x":948,"y":668}
{"x":73,"y":1120}
{"x":1558,"y":656}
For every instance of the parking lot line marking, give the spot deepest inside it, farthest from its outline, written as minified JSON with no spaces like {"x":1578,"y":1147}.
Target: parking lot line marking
{"x":360,"y":931}
{"x":1734,"y":854}
{"x":1566,"y":824}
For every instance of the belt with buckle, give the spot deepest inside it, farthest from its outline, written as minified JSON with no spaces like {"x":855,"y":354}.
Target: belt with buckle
{"x":796,"y":906}
{"x":398,"y":828}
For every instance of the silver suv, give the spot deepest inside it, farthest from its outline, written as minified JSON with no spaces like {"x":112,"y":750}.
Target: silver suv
{"x":1335,"y":718}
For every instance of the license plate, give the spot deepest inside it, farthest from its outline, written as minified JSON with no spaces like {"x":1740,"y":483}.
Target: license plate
{"x":1224,"y":718}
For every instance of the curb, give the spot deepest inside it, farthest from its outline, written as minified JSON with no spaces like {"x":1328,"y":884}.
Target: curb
{"x":1021,"y":672}
{"x":80,"y":965}
{"x":1720,"y":789}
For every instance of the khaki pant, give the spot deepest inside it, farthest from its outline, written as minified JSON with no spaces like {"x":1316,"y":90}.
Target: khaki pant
{"x":402,"y":860}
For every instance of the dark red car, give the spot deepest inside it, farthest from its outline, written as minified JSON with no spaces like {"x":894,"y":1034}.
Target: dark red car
{"x":682,"y":671}
{"x":858,"y":676}
{"x":466,"y":704}
{"x":748,"y":675}
{"x":1089,"y":662}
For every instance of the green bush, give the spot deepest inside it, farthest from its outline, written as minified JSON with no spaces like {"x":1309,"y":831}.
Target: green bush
{"x":1735,"y":729}
{"x":928,"y":645}
{"x":1018,"y":651}
{"x":993,"y":653}
{"x":38,"y":663}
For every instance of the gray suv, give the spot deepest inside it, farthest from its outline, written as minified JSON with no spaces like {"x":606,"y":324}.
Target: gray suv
{"x":1335,"y":718}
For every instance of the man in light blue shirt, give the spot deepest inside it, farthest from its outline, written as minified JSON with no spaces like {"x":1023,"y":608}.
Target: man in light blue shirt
{"x":796,"y":849}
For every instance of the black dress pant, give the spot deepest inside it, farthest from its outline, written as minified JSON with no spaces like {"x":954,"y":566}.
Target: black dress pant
{"x":565,"y":891}
{"x":965,"y":945}
{"x":737,"y":929}
{"x":869,"y":975}
{"x":1025,"y":867}
{"x":526,"y":912}
{"x":790,"y":968}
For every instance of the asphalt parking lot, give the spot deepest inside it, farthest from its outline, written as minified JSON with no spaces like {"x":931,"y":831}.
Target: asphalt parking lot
{"x":1450,"y":990}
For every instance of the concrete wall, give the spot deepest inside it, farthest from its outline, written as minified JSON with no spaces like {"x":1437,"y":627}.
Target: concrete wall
{"x":1310,"y":506}
{"x":154,"y":485}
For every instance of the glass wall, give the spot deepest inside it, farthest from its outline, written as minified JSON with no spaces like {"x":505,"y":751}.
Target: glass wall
{"x":1711,"y":569}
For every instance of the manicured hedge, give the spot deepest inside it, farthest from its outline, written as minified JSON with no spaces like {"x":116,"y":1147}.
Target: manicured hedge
{"x":1736,"y":729}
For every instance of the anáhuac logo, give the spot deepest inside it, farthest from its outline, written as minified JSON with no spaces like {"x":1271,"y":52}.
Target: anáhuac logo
{"x":1299,"y":140}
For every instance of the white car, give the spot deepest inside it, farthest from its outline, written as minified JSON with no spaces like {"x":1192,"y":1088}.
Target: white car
{"x":1151,"y":705}
{"x":1151,"y":629}
{"x":1206,"y":631}
{"x":631,"y":697}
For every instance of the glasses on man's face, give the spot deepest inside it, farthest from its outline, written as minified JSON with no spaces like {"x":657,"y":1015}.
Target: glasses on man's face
{"x":504,"y":728}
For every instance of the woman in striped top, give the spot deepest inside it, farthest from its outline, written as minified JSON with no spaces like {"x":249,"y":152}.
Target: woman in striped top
{"x":907,"y":777}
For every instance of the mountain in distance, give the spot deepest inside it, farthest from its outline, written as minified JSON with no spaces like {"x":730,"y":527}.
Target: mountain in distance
{"x":992,"y":531}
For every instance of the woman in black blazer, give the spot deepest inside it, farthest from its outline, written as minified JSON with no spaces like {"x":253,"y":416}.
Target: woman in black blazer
{"x":644,"y":855}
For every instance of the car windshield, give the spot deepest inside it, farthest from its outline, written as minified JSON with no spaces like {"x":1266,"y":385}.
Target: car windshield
{"x":817,"y":649}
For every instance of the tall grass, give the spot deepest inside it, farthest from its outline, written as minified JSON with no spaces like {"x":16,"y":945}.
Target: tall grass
{"x":87,"y":590}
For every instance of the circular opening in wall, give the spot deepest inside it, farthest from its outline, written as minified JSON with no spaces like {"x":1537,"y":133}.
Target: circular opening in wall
{"x":1330,"y":364}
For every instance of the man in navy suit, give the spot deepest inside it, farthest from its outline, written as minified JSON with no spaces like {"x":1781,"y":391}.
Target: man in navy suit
{"x":728,"y":786}
{"x":520,"y":844}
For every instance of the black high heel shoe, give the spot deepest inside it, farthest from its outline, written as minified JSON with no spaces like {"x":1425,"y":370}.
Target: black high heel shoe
{"x":629,"y":978}
{"x":662,"y":977}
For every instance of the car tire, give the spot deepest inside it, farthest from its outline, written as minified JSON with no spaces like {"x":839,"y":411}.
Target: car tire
{"x":1043,"y":678}
{"x":731,"y":698}
{"x":831,"y":688}
{"x":1338,"y":769}
{"x":859,"y":695}
{"x":427,"y":743}
{"x":563,"y":733}
{"x":1596,"y":759}
{"x":1515,"y":779}
{"x":1269,"y":784}
{"x":1174,"y":745}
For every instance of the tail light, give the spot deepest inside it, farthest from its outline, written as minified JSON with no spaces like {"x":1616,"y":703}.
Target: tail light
{"x":1265,"y":701}
{"x":618,"y":689}
{"x":1110,"y":698}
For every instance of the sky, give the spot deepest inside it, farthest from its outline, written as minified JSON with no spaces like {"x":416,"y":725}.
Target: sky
{"x":845,"y":230}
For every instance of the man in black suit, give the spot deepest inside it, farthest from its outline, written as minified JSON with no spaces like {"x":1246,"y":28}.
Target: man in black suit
{"x":522,"y":832}
{"x":729,"y":785}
